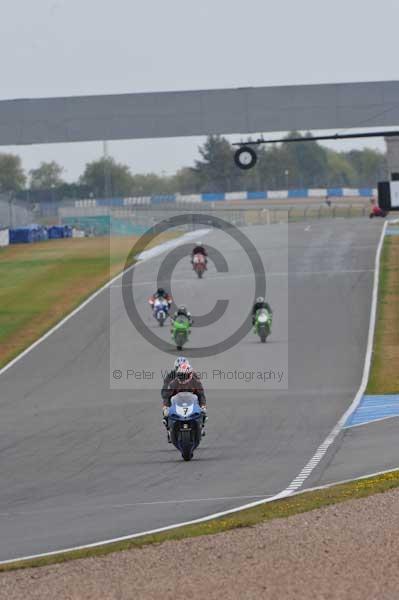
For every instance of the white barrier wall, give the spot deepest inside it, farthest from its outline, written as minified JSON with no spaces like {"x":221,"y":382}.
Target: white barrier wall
{"x":317,"y":193}
{"x":4,"y":237}
{"x":236,"y":196}
{"x":277,"y":194}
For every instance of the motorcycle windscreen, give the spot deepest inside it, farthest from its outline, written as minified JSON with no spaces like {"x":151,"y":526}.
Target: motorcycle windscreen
{"x":181,"y":322}
{"x":185,"y":403}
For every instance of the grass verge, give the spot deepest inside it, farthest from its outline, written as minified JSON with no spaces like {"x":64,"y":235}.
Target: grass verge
{"x":299,"y":503}
{"x":42,"y":283}
{"x":384,"y":376}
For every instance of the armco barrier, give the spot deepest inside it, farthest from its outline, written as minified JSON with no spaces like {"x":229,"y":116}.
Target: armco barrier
{"x":299,"y":193}
{"x":213,"y":197}
{"x":295,"y":193}
{"x":160,"y":199}
{"x":256,"y":195}
{"x":335,"y":192}
{"x":367,"y":192}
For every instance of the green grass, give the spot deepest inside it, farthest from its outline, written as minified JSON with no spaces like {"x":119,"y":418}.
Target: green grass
{"x":278,"y":509}
{"x":41,"y":283}
{"x":384,"y":375}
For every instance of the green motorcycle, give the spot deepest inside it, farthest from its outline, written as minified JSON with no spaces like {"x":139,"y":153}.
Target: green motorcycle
{"x":180,"y":331}
{"x":263,"y":324}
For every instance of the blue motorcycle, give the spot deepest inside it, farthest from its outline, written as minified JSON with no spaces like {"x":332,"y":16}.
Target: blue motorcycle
{"x":161,"y":310}
{"x":185,"y":423}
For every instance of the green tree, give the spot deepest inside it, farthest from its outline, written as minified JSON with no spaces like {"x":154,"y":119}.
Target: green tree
{"x":187,"y":181}
{"x":370,"y":165}
{"x":12,"y":176}
{"x":148,"y":184}
{"x":307,"y":160}
{"x":340,"y":171}
{"x":106,"y":176}
{"x":46,"y":176}
{"x":216,"y":171}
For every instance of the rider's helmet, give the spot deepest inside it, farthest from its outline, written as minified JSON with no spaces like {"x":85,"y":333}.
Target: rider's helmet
{"x":181,"y":310}
{"x":185,"y":372}
{"x":260,"y":299}
{"x":161,"y":292}
{"x":179,"y":361}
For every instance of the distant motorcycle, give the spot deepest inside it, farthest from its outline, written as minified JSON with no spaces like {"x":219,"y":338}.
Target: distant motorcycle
{"x":180,"y":331}
{"x":185,"y":422}
{"x":263,"y":324}
{"x":199,"y":264}
{"x":376,"y":211}
{"x":160,"y":310}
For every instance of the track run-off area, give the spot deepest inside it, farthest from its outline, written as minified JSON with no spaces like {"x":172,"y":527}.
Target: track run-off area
{"x":84,"y":458}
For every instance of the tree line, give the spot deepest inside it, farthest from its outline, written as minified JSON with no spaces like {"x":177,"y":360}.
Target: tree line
{"x":280,"y":166}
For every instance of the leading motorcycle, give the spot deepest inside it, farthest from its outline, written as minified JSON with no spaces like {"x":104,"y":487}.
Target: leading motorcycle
{"x":263,"y":324}
{"x":199,"y":264}
{"x":185,"y":422}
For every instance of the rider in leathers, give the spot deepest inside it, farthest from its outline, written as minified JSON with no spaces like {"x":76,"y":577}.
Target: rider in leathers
{"x":199,"y":249}
{"x":182,"y":379}
{"x":259,"y":304}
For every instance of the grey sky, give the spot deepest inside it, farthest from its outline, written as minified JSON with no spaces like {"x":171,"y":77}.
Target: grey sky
{"x":69,"y":47}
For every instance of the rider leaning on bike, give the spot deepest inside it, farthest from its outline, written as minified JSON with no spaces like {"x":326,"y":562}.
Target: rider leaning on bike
{"x":182,"y":312}
{"x":160,"y":294}
{"x":182,"y":378}
{"x":199,"y":249}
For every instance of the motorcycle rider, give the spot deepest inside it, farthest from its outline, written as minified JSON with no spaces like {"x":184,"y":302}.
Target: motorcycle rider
{"x":170,"y":376}
{"x":199,"y":249}
{"x":160,"y":294}
{"x":182,"y":311}
{"x":259,"y":304}
{"x":185,"y":380}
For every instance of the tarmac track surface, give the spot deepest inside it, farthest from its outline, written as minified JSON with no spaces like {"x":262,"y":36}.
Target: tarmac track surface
{"x":80,"y":462}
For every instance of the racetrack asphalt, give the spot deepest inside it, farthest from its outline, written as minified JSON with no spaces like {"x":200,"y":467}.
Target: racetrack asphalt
{"x":84,"y":460}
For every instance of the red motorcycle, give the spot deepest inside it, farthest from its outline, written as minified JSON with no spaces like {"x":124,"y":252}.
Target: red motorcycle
{"x":199,"y":264}
{"x":376,"y":211}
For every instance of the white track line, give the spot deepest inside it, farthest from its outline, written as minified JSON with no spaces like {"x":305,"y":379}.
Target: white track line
{"x":303,"y":475}
{"x":144,"y":256}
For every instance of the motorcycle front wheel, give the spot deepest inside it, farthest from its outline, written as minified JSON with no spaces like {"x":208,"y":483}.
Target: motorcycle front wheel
{"x":180,"y":340}
{"x":187,"y":451}
{"x":263,"y":333}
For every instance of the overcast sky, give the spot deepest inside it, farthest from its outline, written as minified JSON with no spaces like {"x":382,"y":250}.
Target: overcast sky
{"x":70,"y":47}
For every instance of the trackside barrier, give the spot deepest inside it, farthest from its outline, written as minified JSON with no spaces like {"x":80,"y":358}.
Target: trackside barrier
{"x":333,"y":192}
{"x":4,"y":237}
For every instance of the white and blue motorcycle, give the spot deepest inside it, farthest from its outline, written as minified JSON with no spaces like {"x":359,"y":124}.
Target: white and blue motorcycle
{"x":160,"y":310}
{"x":185,"y":423}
